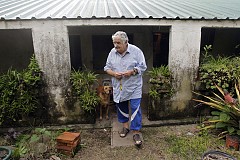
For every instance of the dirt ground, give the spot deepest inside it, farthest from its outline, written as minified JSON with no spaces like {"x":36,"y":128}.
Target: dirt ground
{"x":96,"y":144}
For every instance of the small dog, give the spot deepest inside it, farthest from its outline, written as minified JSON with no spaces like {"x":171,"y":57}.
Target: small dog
{"x":104,"y":92}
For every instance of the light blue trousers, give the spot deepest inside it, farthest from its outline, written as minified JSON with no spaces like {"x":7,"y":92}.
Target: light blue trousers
{"x":136,"y":113}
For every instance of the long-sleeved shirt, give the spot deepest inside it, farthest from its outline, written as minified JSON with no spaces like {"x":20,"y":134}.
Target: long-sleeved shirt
{"x":131,"y":87}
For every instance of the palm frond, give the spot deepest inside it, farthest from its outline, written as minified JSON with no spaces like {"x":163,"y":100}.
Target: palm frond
{"x":214,"y":121}
{"x":222,"y":134}
{"x":209,"y":98}
{"x":220,"y":98}
{"x":208,"y":127}
{"x":228,"y":119}
{"x":213,"y":105}
{"x":220,"y":90}
{"x":237,"y":92}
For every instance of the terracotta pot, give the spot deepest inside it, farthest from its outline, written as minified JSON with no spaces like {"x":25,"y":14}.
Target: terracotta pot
{"x":232,"y":142}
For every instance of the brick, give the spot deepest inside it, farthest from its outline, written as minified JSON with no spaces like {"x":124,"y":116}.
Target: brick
{"x":67,"y":142}
{"x":66,"y":146}
{"x":68,"y":137}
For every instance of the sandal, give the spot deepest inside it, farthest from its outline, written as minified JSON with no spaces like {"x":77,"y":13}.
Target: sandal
{"x":124,"y":132}
{"x":137,"y":139}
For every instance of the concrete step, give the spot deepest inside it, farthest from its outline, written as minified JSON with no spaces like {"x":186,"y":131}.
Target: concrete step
{"x":116,"y":140}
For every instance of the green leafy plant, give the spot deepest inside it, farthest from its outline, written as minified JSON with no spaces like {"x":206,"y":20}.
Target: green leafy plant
{"x":19,"y":151}
{"x":39,"y":134}
{"x":82,"y":85}
{"x":89,"y":100}
{"x":220,"y":71}
{"x":36,"y":144}
{"x":227,"y":115}
{"x":159,"y":74}
{"x":153,"y":93}
{"x":19,"y":92}
{"x":160,"y":80}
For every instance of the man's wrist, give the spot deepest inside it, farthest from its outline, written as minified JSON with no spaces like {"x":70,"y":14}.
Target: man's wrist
{"x":135,"y":71}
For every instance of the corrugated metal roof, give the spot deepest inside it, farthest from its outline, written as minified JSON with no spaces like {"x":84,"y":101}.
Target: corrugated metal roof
{"x":170,"y":9}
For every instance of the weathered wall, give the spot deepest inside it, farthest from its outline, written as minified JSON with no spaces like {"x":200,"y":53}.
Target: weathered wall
{"x":51,"y":46}
{"x":183,"y":62}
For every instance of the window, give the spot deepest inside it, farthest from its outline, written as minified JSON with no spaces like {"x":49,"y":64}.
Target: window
{"x":160,"y":49}
{"x":16,"y":49}
{"x":224,"y":41}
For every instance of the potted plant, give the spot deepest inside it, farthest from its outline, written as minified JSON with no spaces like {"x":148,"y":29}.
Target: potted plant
{"x":226,"y":115}
{"x":160,"y":92}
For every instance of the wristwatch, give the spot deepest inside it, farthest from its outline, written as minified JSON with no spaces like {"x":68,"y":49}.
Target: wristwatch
{"x":135,"y":71}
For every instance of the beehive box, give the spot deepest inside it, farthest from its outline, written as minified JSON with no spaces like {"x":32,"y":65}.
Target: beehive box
{"x":67,"y":142}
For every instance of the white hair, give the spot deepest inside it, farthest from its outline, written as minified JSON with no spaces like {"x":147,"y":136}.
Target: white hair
{"x":122,"y":35}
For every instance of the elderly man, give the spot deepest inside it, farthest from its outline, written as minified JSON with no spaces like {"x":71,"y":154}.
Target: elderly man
{"x":126,"y":64}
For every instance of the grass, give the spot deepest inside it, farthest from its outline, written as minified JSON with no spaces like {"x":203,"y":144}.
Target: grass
{"x":190,"y":147}
{"x":181,"y":142}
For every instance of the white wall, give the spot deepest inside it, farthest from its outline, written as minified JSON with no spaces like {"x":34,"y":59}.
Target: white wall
{"x":51,"y":46}
{"x":184,"y":60}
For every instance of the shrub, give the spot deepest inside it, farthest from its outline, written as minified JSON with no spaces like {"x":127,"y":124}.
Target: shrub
{"x":82,"y":86}
{"x":221,"y":71}
{"x":19,"y":92}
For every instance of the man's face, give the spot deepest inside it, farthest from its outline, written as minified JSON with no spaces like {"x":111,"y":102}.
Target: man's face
{"x":119,"y":45}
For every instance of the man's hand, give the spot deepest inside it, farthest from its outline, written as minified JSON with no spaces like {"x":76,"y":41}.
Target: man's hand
{"x":128,"y":73}
{"x":118,"y":75}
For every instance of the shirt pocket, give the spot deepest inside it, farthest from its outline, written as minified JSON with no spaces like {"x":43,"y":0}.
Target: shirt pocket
{"x":129,"y":64}
{"x":115,"y":67}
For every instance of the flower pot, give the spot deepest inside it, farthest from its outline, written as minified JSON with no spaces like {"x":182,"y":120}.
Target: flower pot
{"x":5,"y":153}
{"x":232,"y":142}
{"x":214,"y":154}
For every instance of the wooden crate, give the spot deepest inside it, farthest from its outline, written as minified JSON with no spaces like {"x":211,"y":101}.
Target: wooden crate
{"x":67,"y":142}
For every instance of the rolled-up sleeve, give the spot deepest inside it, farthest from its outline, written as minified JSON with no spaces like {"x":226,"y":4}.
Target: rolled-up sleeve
{"x":141,"y":64}
{"x":108,"y":62}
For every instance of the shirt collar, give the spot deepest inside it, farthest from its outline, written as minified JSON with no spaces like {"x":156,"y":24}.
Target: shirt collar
{"x":127,"y":51}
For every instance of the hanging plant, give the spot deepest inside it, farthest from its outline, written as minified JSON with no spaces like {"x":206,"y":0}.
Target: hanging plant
{"x":160,"y":80}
